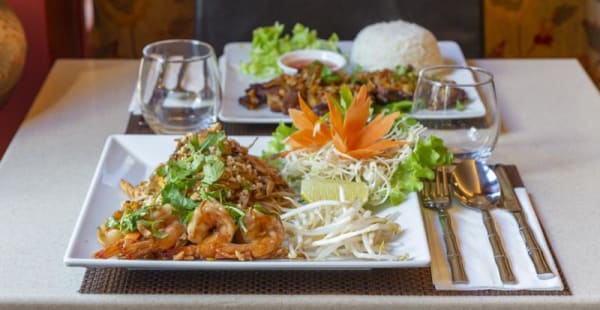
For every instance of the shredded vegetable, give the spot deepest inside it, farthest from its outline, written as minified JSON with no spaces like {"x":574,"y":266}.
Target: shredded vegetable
{"x":329,"y":228}
{"x":328,"y":163}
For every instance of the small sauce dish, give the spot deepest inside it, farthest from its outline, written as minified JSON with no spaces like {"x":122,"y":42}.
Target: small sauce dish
{"x":293,"y":61}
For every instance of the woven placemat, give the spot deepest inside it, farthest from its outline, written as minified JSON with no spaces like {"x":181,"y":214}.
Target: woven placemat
{"x":137,"y":125}
{"x":399,"y":281}
{"x":409,"y":282}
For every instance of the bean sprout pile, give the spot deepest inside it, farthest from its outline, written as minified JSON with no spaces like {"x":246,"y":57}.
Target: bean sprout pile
{"x":327,"y":228}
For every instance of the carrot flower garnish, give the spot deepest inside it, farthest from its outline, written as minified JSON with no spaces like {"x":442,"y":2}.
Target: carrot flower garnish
{"x":351,"y":134}
{"x":354,"y":135}
{"x":312,"y":133}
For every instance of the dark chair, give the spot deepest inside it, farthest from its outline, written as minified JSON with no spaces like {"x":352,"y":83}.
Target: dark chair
{"x":223,"y":21}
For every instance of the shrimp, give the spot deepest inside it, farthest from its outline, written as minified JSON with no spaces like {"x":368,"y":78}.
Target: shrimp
{"x":131,"y":247}
{"x":262,"y":238}
{"x":173,"y":232}
{"x":116,"y":248}
{"x":211,"y":227}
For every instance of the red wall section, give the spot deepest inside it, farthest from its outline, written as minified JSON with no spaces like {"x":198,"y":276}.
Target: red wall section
{"x":32,"y":14}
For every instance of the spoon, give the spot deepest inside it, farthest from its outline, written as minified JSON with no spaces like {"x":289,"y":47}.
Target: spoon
{"x":477,"y":186}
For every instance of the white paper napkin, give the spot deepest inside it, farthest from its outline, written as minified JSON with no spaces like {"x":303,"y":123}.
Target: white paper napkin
{"x":477,"y":254}
{"x":190,"y":81}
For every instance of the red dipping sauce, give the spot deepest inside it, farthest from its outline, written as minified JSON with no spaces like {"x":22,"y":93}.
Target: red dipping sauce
{"x":292,"y":62}
{"x":301,"y":63}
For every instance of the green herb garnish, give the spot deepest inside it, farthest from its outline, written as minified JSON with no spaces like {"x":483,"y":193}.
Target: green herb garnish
{"x":276,"y":145}
{"x":460,"y":106}
{"x":237,"y":215}
{"x":195,"y":173}
{"x":328,"y":76}
{"x":152,"y":226}
{"x":346,"y":97}
{"x":258,"y":207}
{"x":403,"y":106}
{"x":212,"y":170}
{"x":128,"y":221}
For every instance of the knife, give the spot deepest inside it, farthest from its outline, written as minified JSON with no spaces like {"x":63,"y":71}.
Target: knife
{"x":511,"y":203}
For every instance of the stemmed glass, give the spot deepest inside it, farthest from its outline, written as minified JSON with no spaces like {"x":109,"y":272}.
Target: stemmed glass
{"x":458,"y":104}
{"x":179,"y":86}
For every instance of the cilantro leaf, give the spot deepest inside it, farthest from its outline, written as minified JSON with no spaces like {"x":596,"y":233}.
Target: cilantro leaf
{"x":258,"y":207}
{"x":172,"y":194}
{"x":237,"y":215}
{"x":212,"y":139}
{"x":129,"y":219}
{"x":112,"y":223}
{"x":194,"y":144}
{"x":152,"y":226}
{"x":162,"y":170}
{"x":460,"y":106}
{"x":212,"y":170}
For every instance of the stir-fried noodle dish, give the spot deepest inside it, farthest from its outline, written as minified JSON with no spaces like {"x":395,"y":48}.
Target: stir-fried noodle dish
{"x":213,"y":200}
{"x":210,"y":200}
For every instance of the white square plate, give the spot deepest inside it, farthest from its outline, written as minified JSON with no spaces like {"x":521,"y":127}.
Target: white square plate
{"x":134,"y":157}
{"x":235,"y":83}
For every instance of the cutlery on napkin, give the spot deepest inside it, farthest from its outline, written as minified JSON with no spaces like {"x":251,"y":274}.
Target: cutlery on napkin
{"x":511,"y":204}
{"x":478,"y":255}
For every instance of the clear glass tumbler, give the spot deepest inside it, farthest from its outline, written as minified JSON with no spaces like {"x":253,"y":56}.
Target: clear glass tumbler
{"x":179,"y":86}
{"x":458,"y":104}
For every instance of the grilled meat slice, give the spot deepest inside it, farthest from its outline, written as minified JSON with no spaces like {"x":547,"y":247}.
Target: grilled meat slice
{"x":314,"y":84}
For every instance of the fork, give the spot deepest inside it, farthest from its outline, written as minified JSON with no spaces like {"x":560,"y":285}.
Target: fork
{"x":435,"y":195}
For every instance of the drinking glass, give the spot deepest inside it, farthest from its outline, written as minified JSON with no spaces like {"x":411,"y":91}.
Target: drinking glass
{"x":458,"y":104}
{"x":178,"y":86}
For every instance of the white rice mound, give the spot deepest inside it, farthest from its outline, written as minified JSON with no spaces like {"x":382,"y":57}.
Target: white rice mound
{"x":390,"y":44}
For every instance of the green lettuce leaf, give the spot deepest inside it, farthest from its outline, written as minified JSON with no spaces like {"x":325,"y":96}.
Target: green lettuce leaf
{"x":268,"y":44}
{"x":276,"y":145}
{"x":427,"y":155}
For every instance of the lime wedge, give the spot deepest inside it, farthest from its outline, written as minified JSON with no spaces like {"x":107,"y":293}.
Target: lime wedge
{"x":322,"y":189}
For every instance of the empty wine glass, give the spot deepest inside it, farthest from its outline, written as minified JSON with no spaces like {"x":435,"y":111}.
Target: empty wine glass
{"x":178,"y":86}
{"x":458,"y":104}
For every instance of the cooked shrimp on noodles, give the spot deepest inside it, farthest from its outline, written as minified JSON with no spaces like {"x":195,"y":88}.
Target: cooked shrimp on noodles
{"x":210,"y":228}
{"x":192,"y":206}
{"x":262,"y":238}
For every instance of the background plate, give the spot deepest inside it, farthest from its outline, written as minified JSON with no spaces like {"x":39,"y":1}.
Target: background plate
{"x":134,"y":157}
{"x":235,"y":84}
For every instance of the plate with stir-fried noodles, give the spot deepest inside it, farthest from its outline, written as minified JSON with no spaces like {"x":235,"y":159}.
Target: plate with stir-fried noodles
{"x":208,"y":201}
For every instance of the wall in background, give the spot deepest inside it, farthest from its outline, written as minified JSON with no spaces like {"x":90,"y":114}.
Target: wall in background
{"x":592,"y":27}
{"x":114,"y":28}
{"x":543,"y":29}
{"x":53,"y":30}
{"x":32,"y":14}
{"x":120,"y":29}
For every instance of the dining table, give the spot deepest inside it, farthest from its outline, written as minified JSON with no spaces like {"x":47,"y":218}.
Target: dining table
{"x":550,"y":129}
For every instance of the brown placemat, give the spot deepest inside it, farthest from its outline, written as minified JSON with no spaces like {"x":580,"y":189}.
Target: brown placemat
{"x":399,"y":281}
{"x":137,"y":125}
